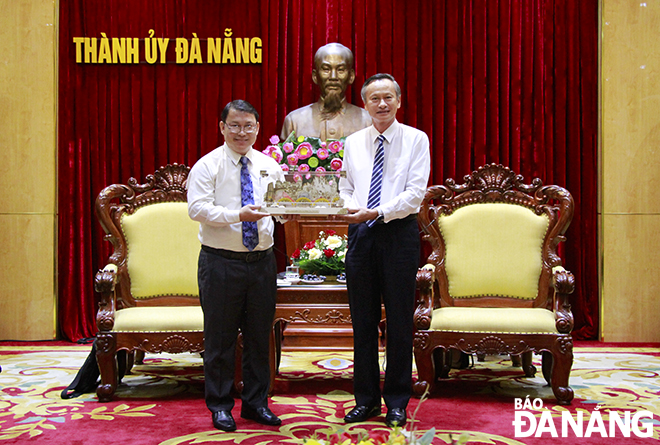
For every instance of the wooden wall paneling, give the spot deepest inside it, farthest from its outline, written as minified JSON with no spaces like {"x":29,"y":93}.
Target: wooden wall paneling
{"x":27,"y":169}
{"x":27,"y":287}
{"x":630,"y":309}
{"x":630,"y":148}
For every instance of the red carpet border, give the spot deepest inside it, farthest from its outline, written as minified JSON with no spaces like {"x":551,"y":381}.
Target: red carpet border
{"x":162,"y":401}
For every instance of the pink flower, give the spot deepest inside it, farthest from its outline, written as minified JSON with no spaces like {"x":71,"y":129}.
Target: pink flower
{"x":274,"y":139}
{"x":322,"y":153}
{"x":335,"y":146}
{"x":288,"y":147}
{"x":304,"y":150}
{"x":292,"y":159}
{"x":277,"y":154}
{"x":285,"y":168}
{"x":303,"y":168}
{"x":268,"y":150}
{"x":336,"y":164}
{"x":320,"y":169}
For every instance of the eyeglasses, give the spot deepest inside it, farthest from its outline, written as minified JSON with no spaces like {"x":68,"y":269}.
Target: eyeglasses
{"x":249,"y":128}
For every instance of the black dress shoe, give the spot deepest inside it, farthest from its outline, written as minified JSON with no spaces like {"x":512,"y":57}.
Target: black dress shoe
{"x":395,"y":417}
{"x":261,"y":415}
{"x":361,"y":413}
{"x":224,"y":421}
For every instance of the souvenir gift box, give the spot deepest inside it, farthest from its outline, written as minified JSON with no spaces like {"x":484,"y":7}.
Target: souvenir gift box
{"x":308,"y":193}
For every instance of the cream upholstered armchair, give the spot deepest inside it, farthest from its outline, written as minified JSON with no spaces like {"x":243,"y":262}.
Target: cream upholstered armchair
{"x":149,"y":294}
{"x":494,"y":282}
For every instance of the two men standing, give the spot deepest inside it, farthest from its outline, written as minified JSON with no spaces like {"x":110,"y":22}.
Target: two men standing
{"x":387,"y":167}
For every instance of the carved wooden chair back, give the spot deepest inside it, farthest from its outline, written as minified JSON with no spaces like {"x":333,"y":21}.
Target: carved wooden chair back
{"x":494,"y":281}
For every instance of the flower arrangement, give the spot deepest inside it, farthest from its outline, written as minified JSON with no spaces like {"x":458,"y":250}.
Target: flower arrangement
{"x":323,"y":256}
{"x":305,"y":153}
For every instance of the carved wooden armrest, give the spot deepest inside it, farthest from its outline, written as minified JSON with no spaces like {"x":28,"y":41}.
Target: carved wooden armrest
{"x":563,"y":283}
{"x":105,"y":282}
{"x":424,"y":310}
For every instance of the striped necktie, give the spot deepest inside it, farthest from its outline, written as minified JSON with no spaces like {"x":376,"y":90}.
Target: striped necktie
{"x":250,"y":231}
{"x":376,"y":178}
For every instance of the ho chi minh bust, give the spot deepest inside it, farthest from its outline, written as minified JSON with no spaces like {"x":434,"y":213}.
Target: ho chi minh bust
{"x":331,"y":117}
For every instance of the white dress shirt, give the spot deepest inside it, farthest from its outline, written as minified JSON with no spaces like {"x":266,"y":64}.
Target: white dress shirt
{"x":406,"y":170}
{"x":214,"y":197}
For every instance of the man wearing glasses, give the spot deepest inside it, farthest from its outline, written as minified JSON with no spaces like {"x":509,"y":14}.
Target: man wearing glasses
{"x":237,"y":269}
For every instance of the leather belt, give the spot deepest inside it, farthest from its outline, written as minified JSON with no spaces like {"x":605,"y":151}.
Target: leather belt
{"x":248,"y":257}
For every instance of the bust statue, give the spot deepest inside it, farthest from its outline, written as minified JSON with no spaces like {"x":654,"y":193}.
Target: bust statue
{"x":331,"y":117}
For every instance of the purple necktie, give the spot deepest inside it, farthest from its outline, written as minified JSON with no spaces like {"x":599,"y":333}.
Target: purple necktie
{"x":250,"y":231}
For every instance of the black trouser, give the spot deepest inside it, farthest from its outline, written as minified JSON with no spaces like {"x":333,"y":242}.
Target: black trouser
{"x":382,"y":261}
{"x":236,"y":294}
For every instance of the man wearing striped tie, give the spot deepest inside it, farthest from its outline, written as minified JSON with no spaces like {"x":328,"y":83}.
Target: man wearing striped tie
{"x":387,"y":169}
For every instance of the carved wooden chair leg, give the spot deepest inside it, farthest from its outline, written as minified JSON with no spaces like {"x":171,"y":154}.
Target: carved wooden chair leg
{"x":123,"y":357}
{"x":447,"y":362}
{"x":546,"y":366}
{"x":139,"y":357}
{"x":528,"y":368}
{"x":130,"y":361}
{"x":516,"y":361}
{"x":561,"y":369}
{"x":481,"y":357}
{"x":439,"y":363}
{"x":426,"y":373}
{"x":459,"y":359}
{"x":106,"y":357}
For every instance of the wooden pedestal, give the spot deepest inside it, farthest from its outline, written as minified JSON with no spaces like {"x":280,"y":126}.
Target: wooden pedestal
{"x":317,"y":316}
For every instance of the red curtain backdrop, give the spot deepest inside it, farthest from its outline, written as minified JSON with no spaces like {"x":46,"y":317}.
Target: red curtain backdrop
{"x":506,"y":81}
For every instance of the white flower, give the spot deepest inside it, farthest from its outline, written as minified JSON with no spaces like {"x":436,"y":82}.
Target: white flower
{"x":333,"y":242}
{"x":314,"y":253}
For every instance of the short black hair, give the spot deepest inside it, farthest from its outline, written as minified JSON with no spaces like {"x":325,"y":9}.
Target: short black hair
{"x":239,"y":105}
{"x":380,"y":76}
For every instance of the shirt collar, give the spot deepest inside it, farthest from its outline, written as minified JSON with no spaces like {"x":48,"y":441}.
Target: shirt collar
{"x":389,"y":133}
{"x":235,"y":157}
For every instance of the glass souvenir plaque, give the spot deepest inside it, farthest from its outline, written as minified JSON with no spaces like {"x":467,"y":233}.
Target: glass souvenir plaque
{"x":308,"y":193}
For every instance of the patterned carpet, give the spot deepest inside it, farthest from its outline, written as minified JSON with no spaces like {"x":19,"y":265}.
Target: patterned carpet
{"x":162,"y":401}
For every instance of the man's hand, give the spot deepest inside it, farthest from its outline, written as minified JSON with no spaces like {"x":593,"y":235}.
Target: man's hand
{"x":251,"y":213}
{"x":356,"y":216}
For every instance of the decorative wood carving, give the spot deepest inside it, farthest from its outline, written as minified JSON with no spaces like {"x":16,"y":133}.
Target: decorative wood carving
{"x":496,"y":184}
{"x":332,"y":316}
{"x":173,"y":344}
